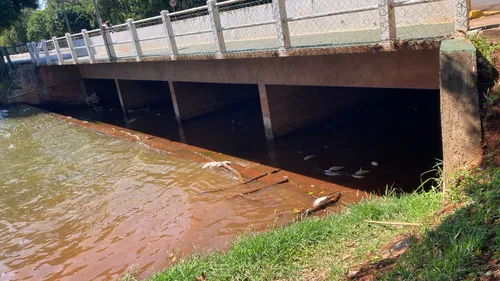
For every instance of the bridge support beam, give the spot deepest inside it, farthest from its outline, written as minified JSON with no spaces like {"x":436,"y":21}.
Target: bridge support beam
{"x":460,"y":120}
{"x":289,"y":108}
{"x":195,"y":99}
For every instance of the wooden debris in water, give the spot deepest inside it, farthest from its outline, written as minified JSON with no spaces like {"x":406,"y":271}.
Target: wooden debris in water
{"x":236,"y":185}
{"x":243,"y":194}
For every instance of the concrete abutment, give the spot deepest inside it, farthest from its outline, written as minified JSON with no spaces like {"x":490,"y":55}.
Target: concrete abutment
{"x":460,"y":119}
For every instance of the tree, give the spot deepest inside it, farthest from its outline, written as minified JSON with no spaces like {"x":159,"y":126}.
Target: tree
{"x":11,"y":10}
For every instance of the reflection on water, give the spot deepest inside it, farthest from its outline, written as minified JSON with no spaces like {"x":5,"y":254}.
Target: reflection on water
{"x":77,"y":205}
{"x":397,"y":128}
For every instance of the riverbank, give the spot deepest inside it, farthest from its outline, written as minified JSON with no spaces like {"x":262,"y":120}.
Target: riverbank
{"x":457,"y":236}
{"x":456,"y":239}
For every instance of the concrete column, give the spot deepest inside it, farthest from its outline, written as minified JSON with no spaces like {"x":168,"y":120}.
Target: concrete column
{"x":289,"y":108}
{"x":213,"y":14}
{"x":72,"y":48}
{"x":387,"y":19}
{"x":58,"y":50}
{"x":169,"y":31}
{"x":194,"y":99}
{"x":460,"y":119}
{"x":136,"y":44}
{"x":282,"y":30}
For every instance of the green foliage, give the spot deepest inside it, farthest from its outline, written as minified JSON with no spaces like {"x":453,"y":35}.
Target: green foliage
{"x":456,"y":248}
{"x":11,"y":10}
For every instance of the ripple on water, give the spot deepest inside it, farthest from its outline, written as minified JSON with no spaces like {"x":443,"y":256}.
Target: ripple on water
{"x":74,"y":202}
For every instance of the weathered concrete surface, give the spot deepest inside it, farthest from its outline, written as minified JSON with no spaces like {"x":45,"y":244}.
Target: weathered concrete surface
{"x":407,"y":69}
{"x":27,"y":86}
{"x":460,"y":120}
{"x":194,"y":99}
{"x":139,"y":94}
{"x":63,"y":83}
{"x":34,"y":85}
{"x":288,"y":108}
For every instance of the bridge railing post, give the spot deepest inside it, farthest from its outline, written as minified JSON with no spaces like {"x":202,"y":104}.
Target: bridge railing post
{"x":387,"y":19}
{"x":213,"y":13}
{"x":58,"y":50}
{"x":72,"y":48}
{"x":108,"y":44}
{"x":32,"y":52}
{"x":35,"y":52}
{"x":167,"y":24}
{"x":88,"y":45}
{"x":462,"y":8}
{"x":46,"y":52}
{"x":282,"y":30}
{"x":135,"y":39}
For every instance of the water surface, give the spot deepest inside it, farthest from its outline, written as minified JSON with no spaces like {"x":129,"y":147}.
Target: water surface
{"x":78,"y":205}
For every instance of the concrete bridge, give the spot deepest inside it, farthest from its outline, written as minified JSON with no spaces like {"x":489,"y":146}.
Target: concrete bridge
{"x":289,"y":53}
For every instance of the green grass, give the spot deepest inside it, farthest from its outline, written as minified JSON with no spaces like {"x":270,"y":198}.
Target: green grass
{"x":326,"y":247}
{"x":456,"y":249}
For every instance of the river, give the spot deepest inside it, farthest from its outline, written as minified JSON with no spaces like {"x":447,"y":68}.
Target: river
{"x":79,"y":205}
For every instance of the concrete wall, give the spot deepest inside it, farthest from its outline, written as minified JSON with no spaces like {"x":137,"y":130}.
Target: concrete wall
{"x":288,"y":108}
{"x":34,"y":85}
{"x":139,"y":94}
{"x":194,"y":99}
{"x":460,"y":120}
{"x":408,"y":69}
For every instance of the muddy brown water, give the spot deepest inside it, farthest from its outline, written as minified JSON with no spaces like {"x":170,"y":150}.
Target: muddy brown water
{"x":78,"y":205}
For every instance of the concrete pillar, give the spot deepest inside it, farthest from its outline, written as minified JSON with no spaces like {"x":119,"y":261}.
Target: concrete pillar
{"x":460,"y":119}
{"x":194,"y":99}
{"x":288,"y":108}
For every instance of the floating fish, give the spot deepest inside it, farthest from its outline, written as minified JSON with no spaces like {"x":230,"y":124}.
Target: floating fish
{"x":357,"y":176}
{"x":333,"y":174}
{"x":11,"y":146}
{"x":132,"y":120}
{"x":362,"y":172}
{"x":335,"y":168}
{"x":374,"y":163}
{"x":309,"y":157}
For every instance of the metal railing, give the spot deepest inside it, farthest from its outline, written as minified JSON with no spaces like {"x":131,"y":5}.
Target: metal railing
{"x":240,"y":26}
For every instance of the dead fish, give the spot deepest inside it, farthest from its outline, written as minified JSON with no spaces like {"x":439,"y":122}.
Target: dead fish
{"x":374,"y":163}
{"x":318,"y":201}
{"x":357,"y":176}
{"x":215,"y":164}
{"x":361,"y":172}
{"x":132,"y":120}
{"x":333,"y":174}
{"x":335,"y":168}
{"x":309,"y":157}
